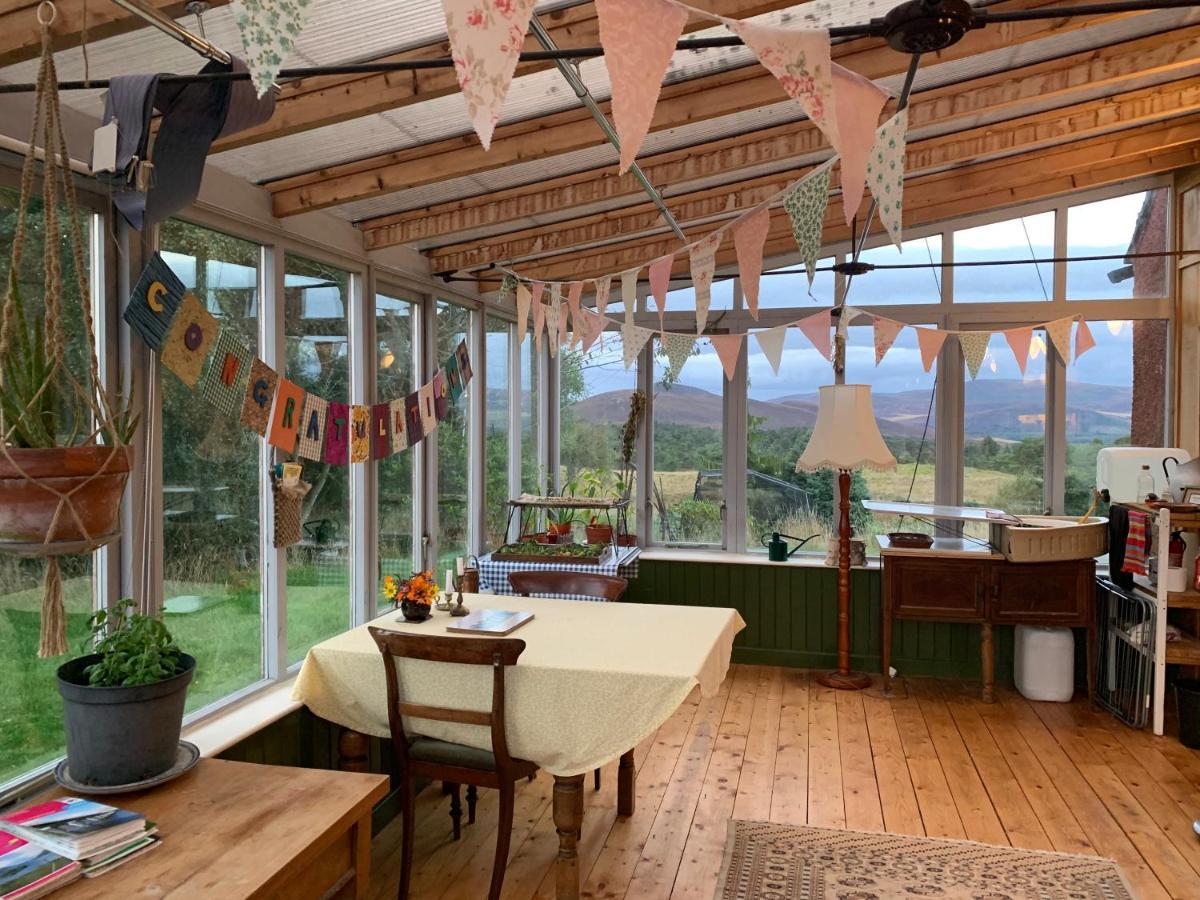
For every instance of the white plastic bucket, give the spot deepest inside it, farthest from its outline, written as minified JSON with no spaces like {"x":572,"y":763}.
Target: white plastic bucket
{"x":1044,"y":663}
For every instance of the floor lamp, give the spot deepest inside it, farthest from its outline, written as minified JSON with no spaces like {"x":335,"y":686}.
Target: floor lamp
{"x":846,"y":437}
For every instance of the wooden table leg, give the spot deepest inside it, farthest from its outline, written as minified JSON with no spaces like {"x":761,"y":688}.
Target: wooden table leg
{"x":987,"y":662}
{"x":362,"y":857}
{"x":885,"y":643}
{"x":626,"y":784}
{"x":568,"y":819}
{"x":354,"y":749}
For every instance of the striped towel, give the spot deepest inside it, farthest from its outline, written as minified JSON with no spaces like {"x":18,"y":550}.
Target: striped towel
{"x":1137,"y":544}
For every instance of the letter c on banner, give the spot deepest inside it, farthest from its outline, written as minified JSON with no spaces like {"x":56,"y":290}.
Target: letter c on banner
{"x":156,"y":290}
{"x":260,"y":392}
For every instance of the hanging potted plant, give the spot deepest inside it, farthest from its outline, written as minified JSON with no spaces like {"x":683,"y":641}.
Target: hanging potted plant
{"x":629,"y":436}
{"x":64,"y":455}
{"x":123,"y":701}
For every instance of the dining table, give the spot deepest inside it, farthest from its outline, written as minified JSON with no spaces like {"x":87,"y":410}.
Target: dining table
{"x":594,"y":680}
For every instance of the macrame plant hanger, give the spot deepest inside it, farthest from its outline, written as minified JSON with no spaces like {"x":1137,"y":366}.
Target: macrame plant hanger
{"x":67,"y":532}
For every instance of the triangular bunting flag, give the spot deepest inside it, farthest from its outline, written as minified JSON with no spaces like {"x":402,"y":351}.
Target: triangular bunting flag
{"x":268,"y":32}
{"x":885,"y":335}
{"x":678,"y":348}
{"x":562,"y":324}
{"x":639,"y":38}
{"x":799,"y":59}
{"x":539,"y":312}
{"x":574,"y":292}
{"x":771,"y":344}
{"x":974,"y":348}
{"x":703,"y":260}
{"x":859,"y":101}
{"x":930,"y":341}
{"x":523,"y":299}
{"x":552,"y":309}
{"x":847,"y":314}
{"x":805,"y":205}
{"x":1084,"y":341}
{"x":629,"y":293}
{"x":816,"y":329}
{"x":592,"y":326}
{"x":603,"y":286}
{"x":660,"y":280}
{"x":749,"y":235}
{"x":508,"y":284}
{"x":634,"y":338}
{"x":885,"y":173}
{"x":729,"y":348}
{"x":1019,"y":340}
{"x":1059,"y":332}
{"x":485,"y":42}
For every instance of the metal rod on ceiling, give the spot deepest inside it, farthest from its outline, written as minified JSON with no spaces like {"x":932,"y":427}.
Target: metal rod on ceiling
{"x":572,"y":77}
{"x":171,"y":28}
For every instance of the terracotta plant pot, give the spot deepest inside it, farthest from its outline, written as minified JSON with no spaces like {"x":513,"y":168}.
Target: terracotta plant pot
{"x":543,"y":538}
{"x":626,"y":540}
{"x":27,"y":508}
{"x":599,"y":534}
{"x":560,"y":529}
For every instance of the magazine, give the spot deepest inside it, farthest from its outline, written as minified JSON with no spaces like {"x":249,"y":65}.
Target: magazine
{"x":28,"y":871}
{"x":74,"y":827}
{"x":491,"y":621}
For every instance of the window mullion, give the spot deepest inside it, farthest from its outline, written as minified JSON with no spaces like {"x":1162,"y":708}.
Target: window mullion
{"x":273,"y":578}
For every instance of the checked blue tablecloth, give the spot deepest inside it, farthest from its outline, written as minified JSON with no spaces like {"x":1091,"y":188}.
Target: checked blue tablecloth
{"x":493,"y":574}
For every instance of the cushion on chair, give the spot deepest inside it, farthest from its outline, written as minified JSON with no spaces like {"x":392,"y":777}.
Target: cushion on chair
{"x":429,"y":749}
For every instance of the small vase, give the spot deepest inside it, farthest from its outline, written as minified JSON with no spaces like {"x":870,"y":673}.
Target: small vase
{"x":414,"y":612}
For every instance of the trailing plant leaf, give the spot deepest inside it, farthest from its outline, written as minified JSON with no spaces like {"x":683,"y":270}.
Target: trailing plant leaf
{"x":134,"y":648}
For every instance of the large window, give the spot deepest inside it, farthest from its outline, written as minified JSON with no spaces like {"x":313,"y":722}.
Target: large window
{"x":316,"y":303}
{"x":1023,"y":238}
{"x":396,"y":328}
{"x":902,"y":285}
{"x":497,"y":431}
{"x":453,"y":326}
{"x":1132,"y":224}
{"x":212,"y":590}
{"x":531,"y":429}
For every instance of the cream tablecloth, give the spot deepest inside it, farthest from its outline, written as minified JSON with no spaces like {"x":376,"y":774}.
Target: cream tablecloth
{"x":595,"y":678}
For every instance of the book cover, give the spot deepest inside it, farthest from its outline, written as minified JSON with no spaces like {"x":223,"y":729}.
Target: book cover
{"x":491,"y":621}
{"x":27,"y":870}
{"x":72,"y":826}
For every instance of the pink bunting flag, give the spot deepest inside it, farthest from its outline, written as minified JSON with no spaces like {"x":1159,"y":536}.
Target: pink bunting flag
{"x":639,"y":38}
{"x":524,"y":298}
{"x":539,"y":312}
{"x":858,"y":102}
{"x":562,"y":324}
{"x":603,"y":287}
{"x":574,"y":292}
{"x":729,"y":348}
{"x":930,"y":341}
{"x":1084,"y":341}
{"x":485,"y":41}
{"x":660,"y":280}
{"x":749,"y":235}
{"x":702,"y":259}
{"x":816,"y":329}
{"x":1019,"y":340}
{"x":593,"y":324}
{"x":885,"y":335}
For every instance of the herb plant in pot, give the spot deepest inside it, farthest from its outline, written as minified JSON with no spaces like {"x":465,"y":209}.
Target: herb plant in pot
{"x":597,"y":485}
{"x":123,"y":702}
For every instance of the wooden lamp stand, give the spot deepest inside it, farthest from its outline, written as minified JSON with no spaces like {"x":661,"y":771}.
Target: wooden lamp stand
{"x":843,"y":678}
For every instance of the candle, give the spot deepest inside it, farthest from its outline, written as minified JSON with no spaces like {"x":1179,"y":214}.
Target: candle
{"x":461,"y":565}
{"x":449,"y":585}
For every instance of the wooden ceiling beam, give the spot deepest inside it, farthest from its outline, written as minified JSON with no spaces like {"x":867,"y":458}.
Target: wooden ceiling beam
{"x":680,"y":104}
{"x":1137,"y":152}
{"x":21,"y":36}
{"x":1158,"y":55}
{"x":1017,"y":136}
{"x":308,"y":103}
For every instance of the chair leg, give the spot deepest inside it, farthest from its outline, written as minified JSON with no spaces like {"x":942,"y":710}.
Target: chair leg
{"x":408,"y":812}
{"x":597,"y":779}
{"x":472,"y":796}
{"x":503,"y":836}
{"x":456,"y":810}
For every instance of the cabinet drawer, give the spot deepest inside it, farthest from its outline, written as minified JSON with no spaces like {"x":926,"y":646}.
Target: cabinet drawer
{"x":1044,"y":593}
{"x":938,"y":589}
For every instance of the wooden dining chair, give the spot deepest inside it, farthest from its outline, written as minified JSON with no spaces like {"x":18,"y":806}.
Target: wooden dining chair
{"x":454,"y":764}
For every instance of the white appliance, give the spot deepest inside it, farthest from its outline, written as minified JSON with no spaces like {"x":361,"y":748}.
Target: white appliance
{"x":1118,"y":468}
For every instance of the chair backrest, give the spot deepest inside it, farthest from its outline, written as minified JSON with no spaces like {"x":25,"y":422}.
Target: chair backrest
{"x":499,"y":653}
{"x":574,"y":584}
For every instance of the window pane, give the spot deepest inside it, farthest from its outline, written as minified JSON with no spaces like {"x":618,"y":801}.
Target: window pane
{"x":212,"y":593}
{"x":31,"y":730}
{"x":496,"y":437}
{"x":1116,"y":394}
{"x":453,"y":326}
{"x":720,"y":298}
{"x":689,"y":484}
{"x":1029,"y":237}
{"x":791,"y":290}
{"x":395,"y":379}
{"x":1135,"y":223}
{"x":316,"y":298}
{"x":885,"y":287}
{"x":594,"y":391}
{"x":531,"y":470}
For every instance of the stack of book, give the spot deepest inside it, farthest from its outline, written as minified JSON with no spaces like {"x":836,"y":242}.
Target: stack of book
{"x":50,"y":844}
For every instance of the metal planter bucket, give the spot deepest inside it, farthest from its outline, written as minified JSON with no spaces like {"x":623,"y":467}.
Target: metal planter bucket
{"x":121,"y":735}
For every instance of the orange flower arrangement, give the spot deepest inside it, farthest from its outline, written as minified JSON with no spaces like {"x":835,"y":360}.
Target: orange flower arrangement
{"x":420,"y":588}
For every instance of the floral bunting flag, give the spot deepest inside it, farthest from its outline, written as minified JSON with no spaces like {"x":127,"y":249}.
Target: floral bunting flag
{"x":603,"y":287}
{"x":974,"y":347}
{"x":269,"y":28}
{"x":1083,"y":338}
{"x":574,"y":293}
{"x":729,"y":348}
{"x":1059,"y":332}
{"x":799,"y":59}
{"x":703,"y":262}
{"x":552,"y":309}
{"x":771,"y":344}
{"x":858,"y":102}
{"x":885,"y":173}
{"x":1019,"y":340}
{"x":539,"y":312}
{"x":930,"y":341}
{"x":805,"y":205}
{"x":885,"y":335}
{"x":749,"y":236}
{"x":634,"y":338}
{"x":508,"y":284}
{"x":816,"y":329}
{"x":523,"y":300}
{"x":678,"y":348}
{"x":639,"y":38}
{"x":486,"y":37}
{"x":629,"y":293}
{"x":660,"y":281}
{"x":562,"y":324}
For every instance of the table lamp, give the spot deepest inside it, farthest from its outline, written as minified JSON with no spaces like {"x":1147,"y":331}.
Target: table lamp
{"x":846,"y":437}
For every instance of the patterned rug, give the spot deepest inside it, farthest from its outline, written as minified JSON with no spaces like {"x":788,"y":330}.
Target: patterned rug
{"x":789,"y":862}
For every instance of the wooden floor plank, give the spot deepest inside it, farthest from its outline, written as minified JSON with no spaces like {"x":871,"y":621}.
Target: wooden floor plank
{"x":897,"y":798}
{"x":789,"y":797}
{"x":939,"y":815}
{"x":754,"y":787}
{"x":826,"y":802}
{"x":860,"y":789}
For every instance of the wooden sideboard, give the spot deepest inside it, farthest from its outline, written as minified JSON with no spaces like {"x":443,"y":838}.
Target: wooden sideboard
{"x":957,"y":581}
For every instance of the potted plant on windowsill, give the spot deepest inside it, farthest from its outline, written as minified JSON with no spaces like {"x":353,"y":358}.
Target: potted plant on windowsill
{"x":123,"y":702}
{"x":597,"y":485}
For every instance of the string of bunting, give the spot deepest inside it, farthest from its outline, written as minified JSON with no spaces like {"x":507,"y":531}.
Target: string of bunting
{"x":214,"y":361}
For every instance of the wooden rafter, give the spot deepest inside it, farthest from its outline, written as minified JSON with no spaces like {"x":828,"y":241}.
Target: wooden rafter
{"x":680,"y":104}
{"x":21,"y":36}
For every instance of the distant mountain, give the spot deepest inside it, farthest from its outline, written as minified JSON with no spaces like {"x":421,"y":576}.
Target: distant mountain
{"x":1005,"y":409}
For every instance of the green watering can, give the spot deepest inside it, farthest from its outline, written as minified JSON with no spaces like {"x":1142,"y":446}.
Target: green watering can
{"x":777,"y":548}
